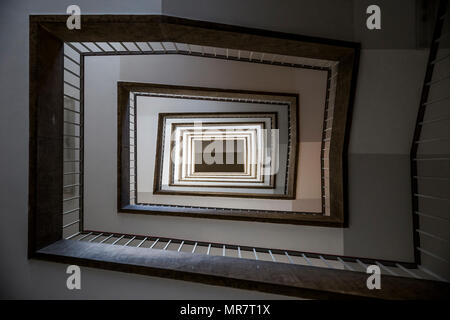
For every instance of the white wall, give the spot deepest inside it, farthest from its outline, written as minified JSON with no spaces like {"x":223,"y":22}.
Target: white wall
{"x":386,"y":104}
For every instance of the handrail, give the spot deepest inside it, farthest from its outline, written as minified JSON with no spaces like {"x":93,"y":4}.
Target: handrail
{"x":418,"y":141}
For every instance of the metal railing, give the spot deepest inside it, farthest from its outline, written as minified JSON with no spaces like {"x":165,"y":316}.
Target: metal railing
{"x":430,"y":157}
{"x":73,"y":141}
